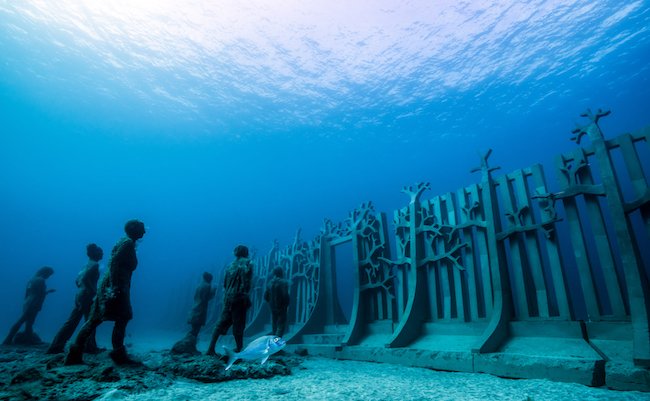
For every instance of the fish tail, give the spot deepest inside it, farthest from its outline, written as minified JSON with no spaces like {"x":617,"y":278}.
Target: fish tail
{"x":231,"y":357}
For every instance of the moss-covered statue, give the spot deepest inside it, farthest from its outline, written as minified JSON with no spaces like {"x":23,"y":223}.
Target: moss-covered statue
{"x":198,"y":316}
{"x":277,"y":296}
{"x":236,"y":300}
{"x":113,"y":300}
{"x":87,"y":288}
{"x":34,"y":297}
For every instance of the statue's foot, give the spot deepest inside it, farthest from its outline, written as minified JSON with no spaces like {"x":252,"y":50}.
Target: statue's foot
{"x":55,"y":350}
{"x":27,"y":338}
{"x":94,"y":350}
{"x":120,"y":357}
{"x":186,"y":346}
{"x":74,"y":356}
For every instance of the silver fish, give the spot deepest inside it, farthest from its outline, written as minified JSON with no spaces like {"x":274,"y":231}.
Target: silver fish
{"x":262,"y":347}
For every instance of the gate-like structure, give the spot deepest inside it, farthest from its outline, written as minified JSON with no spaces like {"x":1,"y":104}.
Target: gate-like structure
{"x":495,"y":267}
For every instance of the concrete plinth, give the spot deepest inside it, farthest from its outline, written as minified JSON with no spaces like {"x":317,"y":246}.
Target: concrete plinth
{"x":566,"y":360}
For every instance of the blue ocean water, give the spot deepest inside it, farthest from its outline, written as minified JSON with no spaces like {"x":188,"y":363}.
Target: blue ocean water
{"x":220,"y":123}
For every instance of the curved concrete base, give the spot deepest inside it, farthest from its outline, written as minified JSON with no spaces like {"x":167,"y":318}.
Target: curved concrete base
{"x":568,"y":366}
{"x":593,"y":354}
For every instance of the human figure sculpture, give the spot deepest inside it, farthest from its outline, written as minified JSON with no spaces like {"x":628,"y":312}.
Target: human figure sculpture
{"x":113,"y":300}
{"x":202,"y":297}
{"x":236,"y":300}
{"x":87,"y":289}
{"x":34,"y":297}
{"x":277,"y":296}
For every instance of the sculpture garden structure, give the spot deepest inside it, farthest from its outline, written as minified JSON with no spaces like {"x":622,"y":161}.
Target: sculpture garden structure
{"x":503,"y":276}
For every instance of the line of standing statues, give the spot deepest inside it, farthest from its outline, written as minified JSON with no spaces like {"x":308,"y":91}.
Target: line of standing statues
{"x":111,"y":301}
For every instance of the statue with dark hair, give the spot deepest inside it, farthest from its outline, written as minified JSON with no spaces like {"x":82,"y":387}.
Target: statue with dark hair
{"x":113,"y":300}
{"x":87,"y":288}
{"x":277,"y":296}
{"x":34,"y":297}
{"x":202,"y":297}
{"x":237,"y":285}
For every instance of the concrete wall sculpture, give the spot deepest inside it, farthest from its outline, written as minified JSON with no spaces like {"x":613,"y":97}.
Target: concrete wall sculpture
{"x":505,"y":276}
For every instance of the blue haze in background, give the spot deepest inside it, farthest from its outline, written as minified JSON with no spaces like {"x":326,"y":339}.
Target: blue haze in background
{"x":238,"y":122}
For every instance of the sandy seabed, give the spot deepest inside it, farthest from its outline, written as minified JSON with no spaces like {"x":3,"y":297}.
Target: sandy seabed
{"x":324,"y":379}
{"x":288,"y":377}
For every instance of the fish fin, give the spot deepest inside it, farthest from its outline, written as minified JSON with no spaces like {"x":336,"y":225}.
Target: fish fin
{"x":266,"y":358}
{"x":231,"y":357}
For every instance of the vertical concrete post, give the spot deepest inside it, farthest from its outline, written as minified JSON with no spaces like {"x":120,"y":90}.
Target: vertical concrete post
{"x":496,"y":331}
{"x":638,"y":294}
{"x":356,"y":325}
{"x":410,"y":326}
{"x":327,"y":294}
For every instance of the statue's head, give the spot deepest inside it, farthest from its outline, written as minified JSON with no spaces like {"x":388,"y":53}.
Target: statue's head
{"x":241,"y":251}
{"x":207,"y":277}
{"x":45,"y":272}
{"x":134,"y":229}
{"x":94,"y":252}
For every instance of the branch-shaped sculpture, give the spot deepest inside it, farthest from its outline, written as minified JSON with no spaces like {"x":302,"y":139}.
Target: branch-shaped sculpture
{"x":386,"y":284}
{"x":402,"y":246}
{"x":370,"y":226}
{"x":402,"y":231}
{"x":302,"y":276}
{"x":302,"y":260}
{"x":297,"y":242}
{"x":312,"y":254}
{"x":485,"y":166}
{"x":399,"y":262}
{"x":549,"y":216}
{"x":595,"y":117}
{"x":372,"y":265}
{"x":341,"y":230}
{"x":470,"y":209}
{"x":370,"y":260}
{"x":293,"y":255}
{"x":547,"y":204}
{"x":272,"y":254}
{"x":429,"y":239}
{"x":427,"y":217}
{"x":285,"y":258}
{"x":580,"y":130}
{"x":436,"y":230}
{"x":516,"y":218}
{"x":415,"y":191}
{"x":571,"y":170}
{"x":447,"y":255}
{"x":401,"y":219}
{"x":360,"y":214}
{"x":577,"y":133}
{"x":328,"y":227}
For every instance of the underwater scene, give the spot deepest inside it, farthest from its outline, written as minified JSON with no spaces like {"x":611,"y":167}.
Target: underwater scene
{"x":324,"y":200}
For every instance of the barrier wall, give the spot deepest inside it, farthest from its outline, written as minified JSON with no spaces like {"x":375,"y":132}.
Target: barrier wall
{"x":505,"y":276}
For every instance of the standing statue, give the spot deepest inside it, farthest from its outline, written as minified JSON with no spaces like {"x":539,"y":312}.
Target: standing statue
{"x":202,"y":297}
{"x":87,"y":288}
{"x":236,"y":300}
{"x":113,"y":300}
{"x":34,"y":297}
{"x":277,"y":296}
